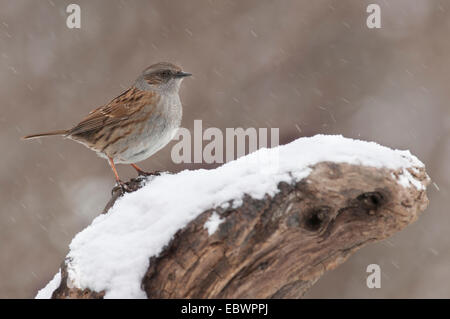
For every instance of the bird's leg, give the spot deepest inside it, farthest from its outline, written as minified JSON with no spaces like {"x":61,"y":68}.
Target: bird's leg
{"x":113,"y":167}
{"x":144,"y":173}
{"x":120,"y":184}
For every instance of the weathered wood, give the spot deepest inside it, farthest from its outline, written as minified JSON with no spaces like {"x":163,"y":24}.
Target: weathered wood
{"x":64,"y":291}
{"x":278,"y":247}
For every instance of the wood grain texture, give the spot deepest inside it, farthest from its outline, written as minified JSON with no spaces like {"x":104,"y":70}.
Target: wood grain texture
{"x":278,"y":247}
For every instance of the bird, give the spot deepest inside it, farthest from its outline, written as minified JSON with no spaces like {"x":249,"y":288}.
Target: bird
{"x":137,"y":123}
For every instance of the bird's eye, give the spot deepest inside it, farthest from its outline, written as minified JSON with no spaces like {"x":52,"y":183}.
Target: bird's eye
{"x":165,"y":74}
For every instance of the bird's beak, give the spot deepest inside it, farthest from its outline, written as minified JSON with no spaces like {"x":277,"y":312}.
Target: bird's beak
{"x":182,"y":74}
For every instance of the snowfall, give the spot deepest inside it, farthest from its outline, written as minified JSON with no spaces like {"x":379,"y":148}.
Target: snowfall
{"x":112,"y":254}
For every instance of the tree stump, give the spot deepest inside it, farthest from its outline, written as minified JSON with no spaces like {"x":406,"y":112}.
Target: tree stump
{"x":279,"y":246}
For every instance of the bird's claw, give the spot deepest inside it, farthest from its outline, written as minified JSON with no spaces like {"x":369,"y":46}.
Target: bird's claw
{"x":122,"y":187}
{"x":154,"y":173}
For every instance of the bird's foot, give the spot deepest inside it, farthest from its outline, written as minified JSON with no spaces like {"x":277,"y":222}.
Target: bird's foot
{"x":154,"y":173}
{"x":121,"y":187}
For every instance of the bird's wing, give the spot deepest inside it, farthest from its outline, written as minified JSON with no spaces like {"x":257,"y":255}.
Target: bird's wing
{"x":120,"y":108}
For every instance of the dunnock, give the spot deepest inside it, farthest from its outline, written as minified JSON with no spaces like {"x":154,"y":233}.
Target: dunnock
{"x":137,"y":123}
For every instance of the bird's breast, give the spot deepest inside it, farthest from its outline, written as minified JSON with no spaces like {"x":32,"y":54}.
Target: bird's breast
{"x":159,"y":128}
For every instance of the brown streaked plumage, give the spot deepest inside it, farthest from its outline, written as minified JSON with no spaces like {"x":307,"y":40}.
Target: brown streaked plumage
{"x":135,"y":124}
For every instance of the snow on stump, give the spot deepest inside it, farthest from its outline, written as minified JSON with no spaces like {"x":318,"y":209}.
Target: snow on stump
{"x":267,"y":225}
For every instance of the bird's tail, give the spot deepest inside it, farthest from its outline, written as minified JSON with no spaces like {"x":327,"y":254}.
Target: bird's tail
{"x":59,"y":132}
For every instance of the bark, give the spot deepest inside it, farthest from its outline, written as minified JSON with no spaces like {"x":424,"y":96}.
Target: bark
{"x":279,"y":246}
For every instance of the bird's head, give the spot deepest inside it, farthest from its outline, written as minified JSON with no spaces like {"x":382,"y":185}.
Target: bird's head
{"x":162,"y":76}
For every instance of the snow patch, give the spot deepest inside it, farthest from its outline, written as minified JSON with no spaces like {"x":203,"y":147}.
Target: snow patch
{"x":112,"y":254}
{"x":406,"y":179}
{"x":213,"y":222}
{"x":47,"y":291}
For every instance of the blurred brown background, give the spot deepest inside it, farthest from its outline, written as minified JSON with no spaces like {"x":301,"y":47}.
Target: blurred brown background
{"x":306,"y":67}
